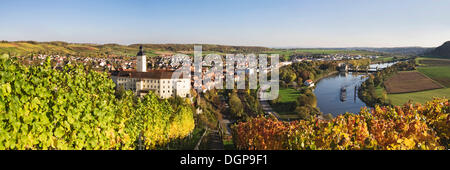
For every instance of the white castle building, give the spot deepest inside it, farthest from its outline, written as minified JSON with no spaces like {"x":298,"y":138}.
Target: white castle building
{"x":161,"y":82}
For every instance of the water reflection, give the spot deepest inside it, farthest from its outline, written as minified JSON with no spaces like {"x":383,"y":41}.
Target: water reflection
{"x":338,"y":94}
{"x":375,"y":67}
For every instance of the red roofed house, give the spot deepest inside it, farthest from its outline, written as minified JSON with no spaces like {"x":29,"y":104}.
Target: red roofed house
{"x":161,"y":82}
{"x":309,"y":83}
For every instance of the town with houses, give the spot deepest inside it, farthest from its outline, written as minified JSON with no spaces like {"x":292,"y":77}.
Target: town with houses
{"x":142,"y":74}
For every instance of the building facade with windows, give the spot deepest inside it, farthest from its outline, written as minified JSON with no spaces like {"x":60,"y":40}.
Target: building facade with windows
{"x":161,"y":82}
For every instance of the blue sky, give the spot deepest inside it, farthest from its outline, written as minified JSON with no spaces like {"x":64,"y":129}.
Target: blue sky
{"x":272,"y":23}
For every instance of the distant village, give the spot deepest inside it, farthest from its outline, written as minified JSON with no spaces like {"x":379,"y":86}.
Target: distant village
{"x":335,"y":57}
{"x":160,"y":62}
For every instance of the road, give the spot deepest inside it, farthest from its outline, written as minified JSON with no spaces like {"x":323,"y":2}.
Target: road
{"x":264,"y":103}
{"x":268,"y":109}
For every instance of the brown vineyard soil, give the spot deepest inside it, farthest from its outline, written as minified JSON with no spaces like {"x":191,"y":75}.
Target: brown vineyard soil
{"x":405,"y":82}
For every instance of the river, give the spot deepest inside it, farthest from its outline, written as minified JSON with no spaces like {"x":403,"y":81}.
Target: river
{"x":328,"y":92}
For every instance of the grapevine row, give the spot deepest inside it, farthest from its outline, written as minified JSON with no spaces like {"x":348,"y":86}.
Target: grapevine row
{"x":76,"y":108}
{"x":409,"y":127}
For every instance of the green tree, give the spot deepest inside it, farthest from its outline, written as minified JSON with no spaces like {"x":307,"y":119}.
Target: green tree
{"x":307,"y":99}
{"x":120,"y":92}
{"x":236,"y":107}
{"x":303,"y":112}
{"x":299,"y":81}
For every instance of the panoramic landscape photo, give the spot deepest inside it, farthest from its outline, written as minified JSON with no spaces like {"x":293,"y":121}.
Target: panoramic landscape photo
{"x":224,"y":75}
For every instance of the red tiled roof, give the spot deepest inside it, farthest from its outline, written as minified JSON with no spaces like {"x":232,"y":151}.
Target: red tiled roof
{"x":151,"y":74}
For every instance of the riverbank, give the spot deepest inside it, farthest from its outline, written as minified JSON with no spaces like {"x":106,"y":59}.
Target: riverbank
{"x":325,"y":76}
{"x":373,"y":91}
{"x":286,"y":105}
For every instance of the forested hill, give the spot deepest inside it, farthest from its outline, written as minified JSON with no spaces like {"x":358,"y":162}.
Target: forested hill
{"x":26,"y":48}
{"x":443,"y":51}
{"x":21,"y":48}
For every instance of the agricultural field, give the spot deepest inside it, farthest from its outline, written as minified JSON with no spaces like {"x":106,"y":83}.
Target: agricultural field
{"x":286,"y":53}
{"x":410,"y":81}
{"x":25,"y":48}
{"x":418,"y":97}
{"x":29,"y":47}
{"x":437,"y":69}
{"x":320,"y":52}
{"x":432,"y":61}
{"x":440,"y":74}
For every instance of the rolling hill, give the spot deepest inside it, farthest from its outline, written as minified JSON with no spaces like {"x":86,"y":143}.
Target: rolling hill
{"x":399,"y":50}
{"x":24,"y":48}
{"x":441,"y":52}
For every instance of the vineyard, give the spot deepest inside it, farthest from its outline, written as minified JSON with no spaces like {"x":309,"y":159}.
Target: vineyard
{"x":74,"y":108}
{"x":407,"y":127}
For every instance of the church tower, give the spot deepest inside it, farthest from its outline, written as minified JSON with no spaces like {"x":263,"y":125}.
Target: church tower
{"x":141,"y":63}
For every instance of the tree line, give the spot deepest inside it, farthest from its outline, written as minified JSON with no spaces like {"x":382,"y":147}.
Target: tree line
{"x":367,"y":91}
{"x":294,"y":76}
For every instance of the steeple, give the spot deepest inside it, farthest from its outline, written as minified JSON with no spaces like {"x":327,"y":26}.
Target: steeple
{"x":141,"y":51}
